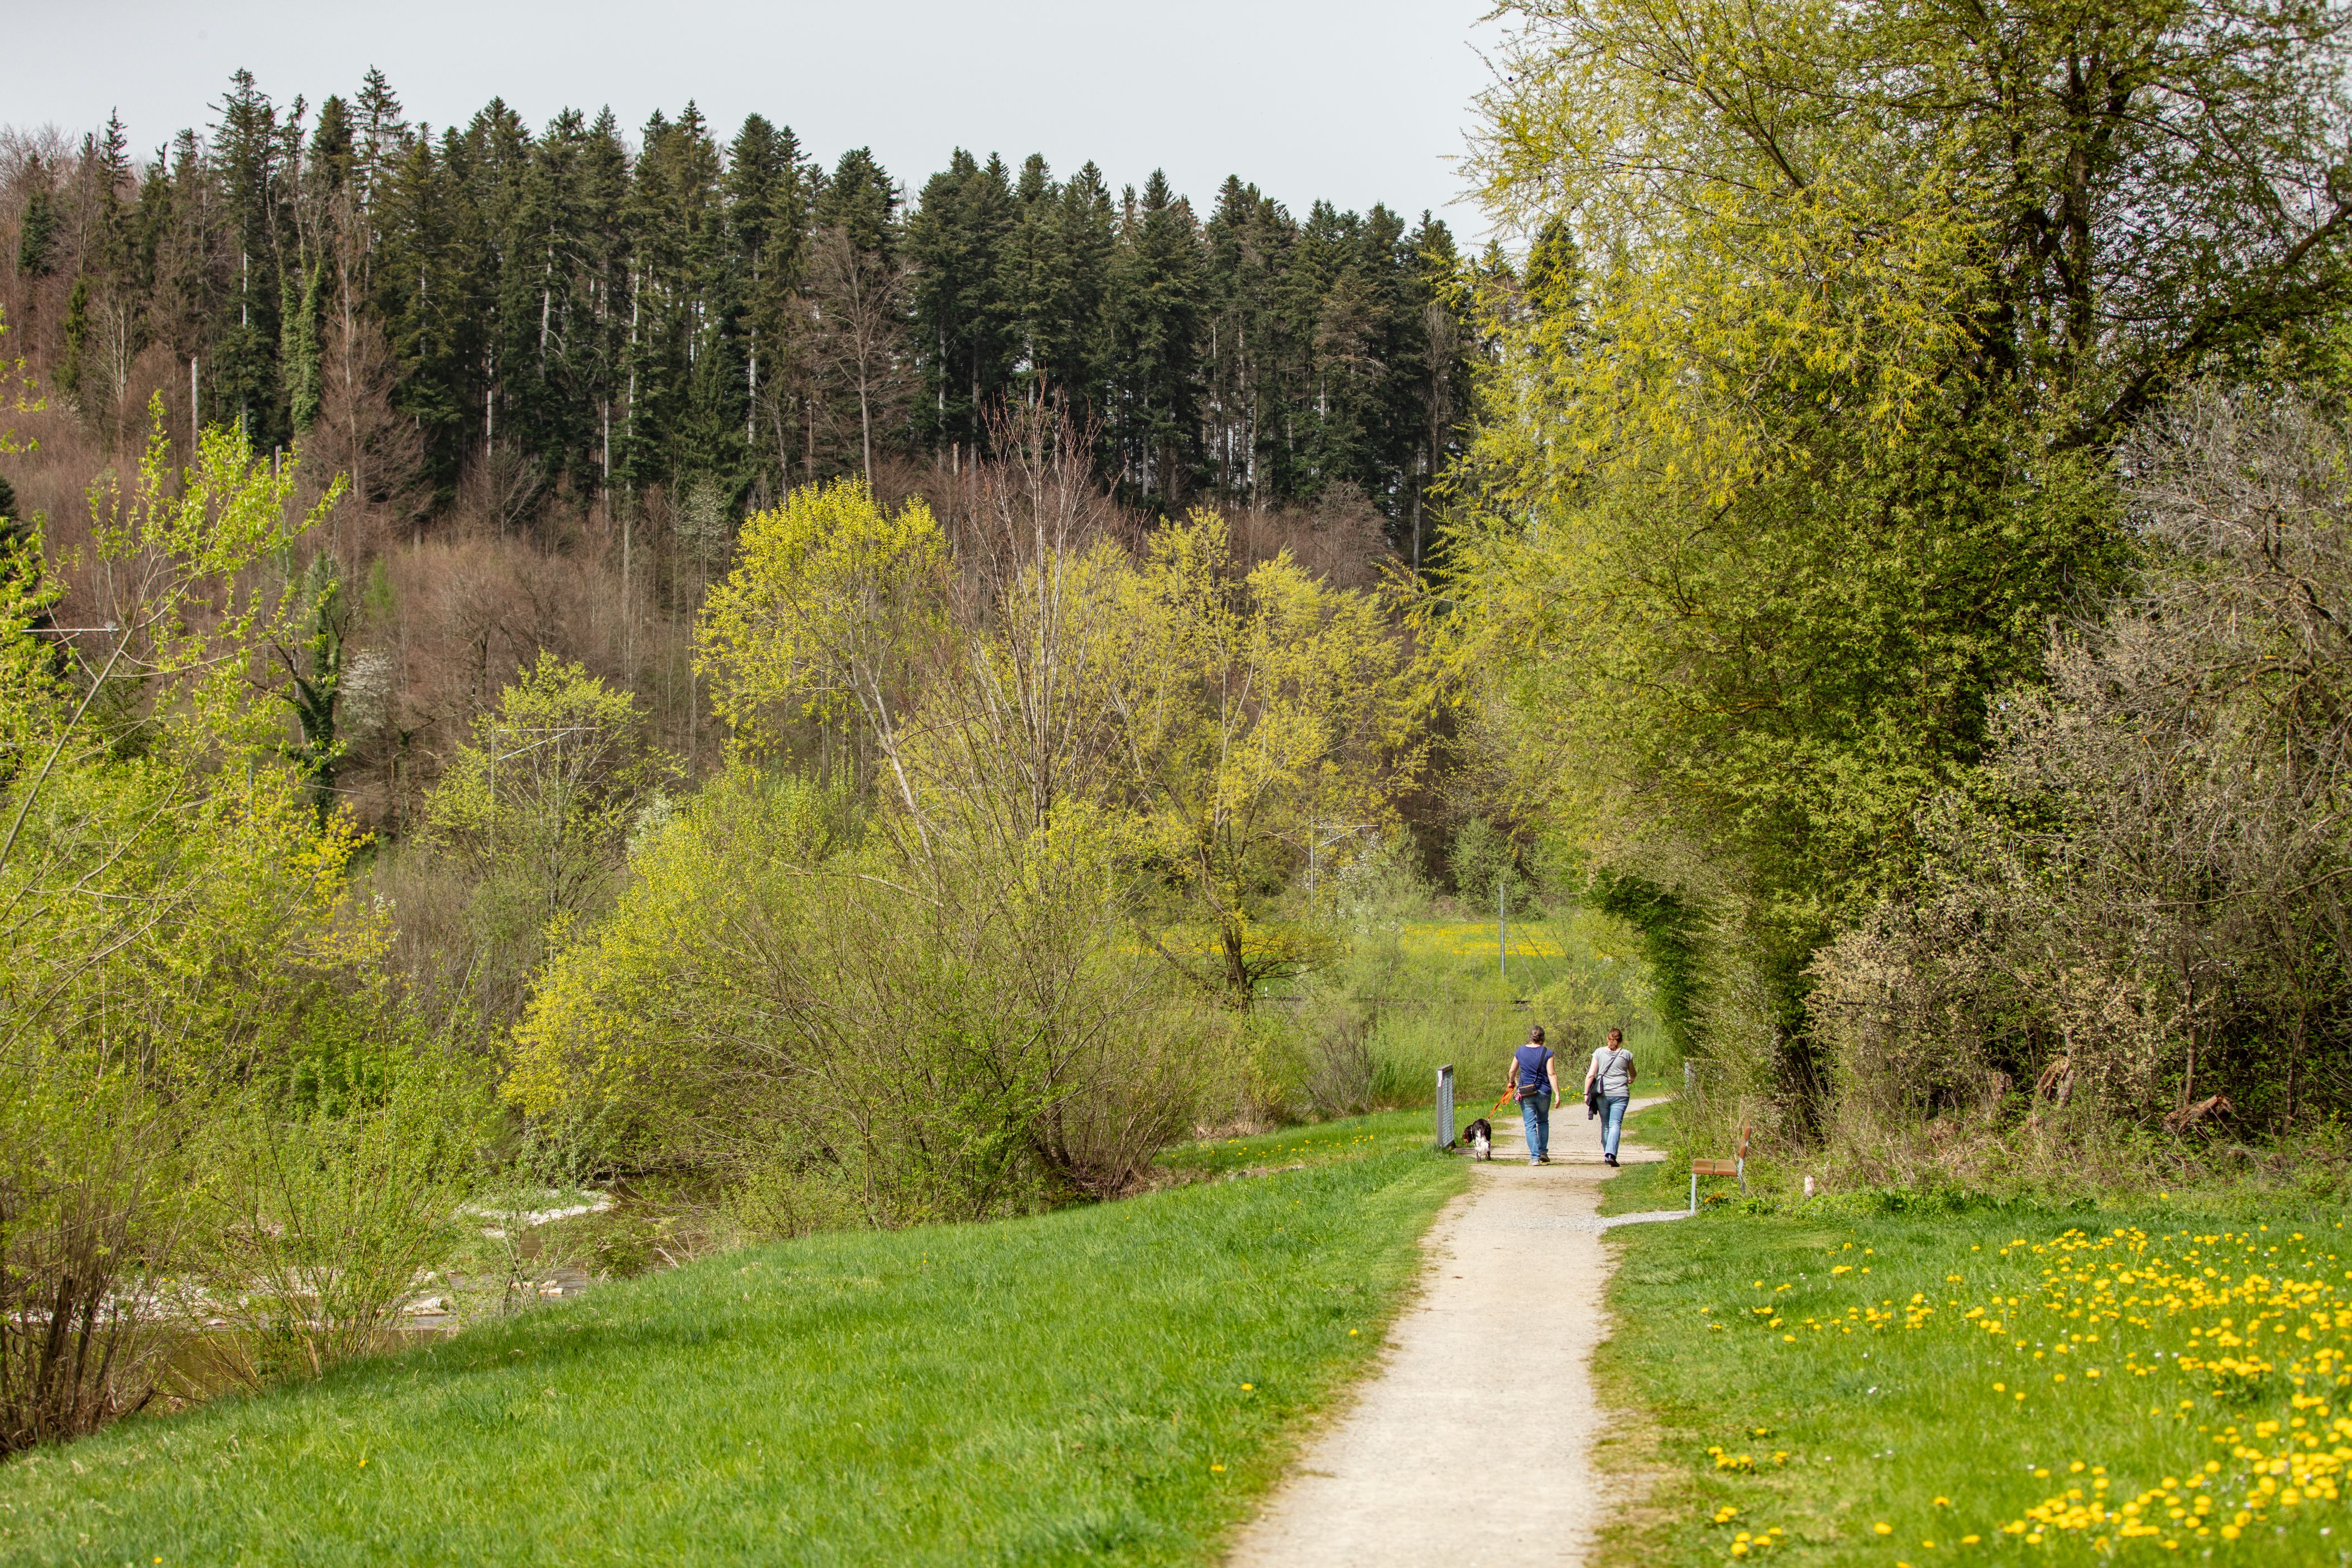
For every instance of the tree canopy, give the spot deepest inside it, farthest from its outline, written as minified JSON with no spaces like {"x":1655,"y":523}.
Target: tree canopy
{"x":1799,"y":432}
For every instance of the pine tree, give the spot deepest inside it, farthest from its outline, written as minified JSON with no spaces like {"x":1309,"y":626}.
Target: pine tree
{"x":684,"y":414}
{"x":571,"y":314}
{"x":1154,"y":320}
{"x":856,"y":314}
{"x":248,"y":149}
{"x":380,"y":140}
{"x":959,"y":243}
{"x":37,"y":233}
{"x":1249,"y":241}
{"x":418,"y":291}
{"x":1056,"y":269}
{"x":606,"y":269}
{"x":1442,"y":382}
{"x":768,"y":200}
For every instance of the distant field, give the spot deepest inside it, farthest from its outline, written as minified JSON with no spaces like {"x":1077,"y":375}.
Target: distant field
{"x":1109,"y":1384}
{"x":1445,"y":994}
{"x":1474,"y":939}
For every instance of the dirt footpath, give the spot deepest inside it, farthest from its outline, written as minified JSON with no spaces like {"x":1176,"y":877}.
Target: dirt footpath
{"x":1471,"y":1447}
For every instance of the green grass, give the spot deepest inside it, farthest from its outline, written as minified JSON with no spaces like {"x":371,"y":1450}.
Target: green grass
{"x":1443,"y":998}
{"x":1869,"y":1391}
{"x":1320,"y":1142}
{"x":1054,"y":1390}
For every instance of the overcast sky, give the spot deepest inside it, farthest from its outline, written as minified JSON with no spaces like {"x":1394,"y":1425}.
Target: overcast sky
{"x":1350,"y":101}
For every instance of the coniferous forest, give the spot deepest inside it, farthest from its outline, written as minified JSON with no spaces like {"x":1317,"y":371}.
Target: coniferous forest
{"x":557,"y":364}
{"x":603,"y":308}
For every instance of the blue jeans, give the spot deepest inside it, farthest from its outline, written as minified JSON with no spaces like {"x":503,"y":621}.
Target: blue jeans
{"x":1613,"y":1122}
{"x":1534,"y":1114}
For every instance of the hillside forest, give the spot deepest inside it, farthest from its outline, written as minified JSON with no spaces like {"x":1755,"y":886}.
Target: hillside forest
{"x":565,"y":658}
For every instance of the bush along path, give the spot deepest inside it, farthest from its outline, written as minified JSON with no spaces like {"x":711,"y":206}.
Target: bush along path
{"x":1472,"y":1444}
{"x":1107,"y":1384}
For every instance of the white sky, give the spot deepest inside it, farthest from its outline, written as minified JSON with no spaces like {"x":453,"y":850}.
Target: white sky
{"x":1351,"y":100}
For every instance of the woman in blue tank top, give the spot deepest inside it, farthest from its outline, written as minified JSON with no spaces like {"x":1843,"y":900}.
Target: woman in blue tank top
{"x":1535,"y":1079}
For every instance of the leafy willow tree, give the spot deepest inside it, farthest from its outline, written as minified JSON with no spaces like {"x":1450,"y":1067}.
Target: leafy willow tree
{"x":1263,"y":712}
{"x":1800,"y":432}
{"x":169,"y":899}
{"x":539,"y":807}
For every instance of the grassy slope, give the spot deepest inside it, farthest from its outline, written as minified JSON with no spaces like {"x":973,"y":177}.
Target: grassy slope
{"x":1879,"y":1423}
{"x":1034,"y":1392}
{"x":1383,"y":1133}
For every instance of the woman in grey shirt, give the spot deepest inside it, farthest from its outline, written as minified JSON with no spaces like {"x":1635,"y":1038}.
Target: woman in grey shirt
{"x":1613,"y":1070}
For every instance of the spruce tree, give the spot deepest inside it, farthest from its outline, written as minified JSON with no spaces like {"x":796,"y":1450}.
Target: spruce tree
{"x":1155,"y":318}
{"x":768,"y":201}
{"x":959,"y":243}
{"x":248,"y":149}
{"x":861,"y":200}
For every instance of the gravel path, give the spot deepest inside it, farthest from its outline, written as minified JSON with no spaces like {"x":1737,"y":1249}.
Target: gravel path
{"x":1471,"y":1447}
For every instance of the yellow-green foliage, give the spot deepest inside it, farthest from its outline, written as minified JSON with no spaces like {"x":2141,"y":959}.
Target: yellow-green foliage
{"x":558,"y":743}
{"x":831,"y":600}
{"x":171,"y":896}
{"x":836,"y":1034}
{"x":1216,"y":722}
{"x":1793,"y":442}
{"x":1796,"y":435}
{"x":539,"y":809}
{"x":602,"y":1033}
{"x":163,"y":875}
{"x":1265,"y":713}
{"x":948,"y":1012}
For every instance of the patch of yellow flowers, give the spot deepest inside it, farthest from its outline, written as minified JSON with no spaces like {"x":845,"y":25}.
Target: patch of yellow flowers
{"x":1746,"y":1541}
{"x":2249,"y":1321}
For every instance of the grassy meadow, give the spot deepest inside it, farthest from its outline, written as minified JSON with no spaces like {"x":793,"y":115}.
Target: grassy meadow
{"x":1112,"y":1384}
{"x":1437,"y":991}
{"x":1864,"y":1382}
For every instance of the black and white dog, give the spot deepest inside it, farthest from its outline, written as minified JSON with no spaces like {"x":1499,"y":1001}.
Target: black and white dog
{"x":1478,"y":1137}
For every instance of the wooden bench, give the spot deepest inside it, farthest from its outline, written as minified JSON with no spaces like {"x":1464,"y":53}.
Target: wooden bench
{"x":1736,"y":1166}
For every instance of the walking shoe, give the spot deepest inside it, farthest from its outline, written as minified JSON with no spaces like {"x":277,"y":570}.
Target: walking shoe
{"x":1543,"y":1159}
{"x":1533,"y":1161}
